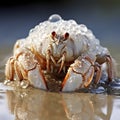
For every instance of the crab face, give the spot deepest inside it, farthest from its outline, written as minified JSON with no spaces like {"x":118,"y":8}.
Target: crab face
{"x":58,"y":44}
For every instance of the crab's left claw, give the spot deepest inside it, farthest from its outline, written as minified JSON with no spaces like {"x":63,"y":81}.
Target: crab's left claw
{"x":79,"y":75}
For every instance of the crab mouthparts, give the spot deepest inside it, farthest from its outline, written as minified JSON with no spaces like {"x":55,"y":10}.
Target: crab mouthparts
{"x":54,"y":81}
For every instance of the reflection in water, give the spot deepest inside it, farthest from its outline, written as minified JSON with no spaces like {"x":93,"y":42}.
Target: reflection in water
{"x":34,"y":104}
{"x":87,"y":107}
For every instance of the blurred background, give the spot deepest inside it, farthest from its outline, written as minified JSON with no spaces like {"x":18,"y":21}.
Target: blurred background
{"x":101,"y":16}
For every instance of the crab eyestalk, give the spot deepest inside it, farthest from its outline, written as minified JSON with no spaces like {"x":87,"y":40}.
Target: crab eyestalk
{"x":53,"y":34}
{"x":66,"y":35}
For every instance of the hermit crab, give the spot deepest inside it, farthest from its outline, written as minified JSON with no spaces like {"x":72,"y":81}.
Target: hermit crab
{"x":60,"y":48}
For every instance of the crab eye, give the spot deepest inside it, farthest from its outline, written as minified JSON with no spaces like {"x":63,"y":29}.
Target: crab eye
{"x":66,"y":35}
{"x":53,"y":34}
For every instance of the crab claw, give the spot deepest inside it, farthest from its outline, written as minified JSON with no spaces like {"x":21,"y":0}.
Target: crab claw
{"x":79,"y":75}
{"x":25,"y":69}
{"x":36,"y":78}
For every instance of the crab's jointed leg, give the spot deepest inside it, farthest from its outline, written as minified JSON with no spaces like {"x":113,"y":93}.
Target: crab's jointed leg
{"x":108,"y":60}
{"x":9,"y":72}
{"x":98,"y":72}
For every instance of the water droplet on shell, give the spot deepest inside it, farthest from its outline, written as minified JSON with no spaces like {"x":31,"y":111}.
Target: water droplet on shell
{"x":54,"y":18}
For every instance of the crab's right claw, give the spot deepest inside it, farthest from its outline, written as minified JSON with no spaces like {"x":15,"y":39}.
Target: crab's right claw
{"x":79,"y":75}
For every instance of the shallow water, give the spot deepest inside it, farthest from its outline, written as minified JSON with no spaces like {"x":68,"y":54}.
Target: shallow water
{"x":34,"y":104}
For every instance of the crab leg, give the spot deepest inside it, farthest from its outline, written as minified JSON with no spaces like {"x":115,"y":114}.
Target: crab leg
{"x":106,"y":59}
{"x":9,"y":69}
{"x":18,"y":71}
{"x":109,"y":63}
{"x":98,"y":73}
{"x":38,"y":57}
